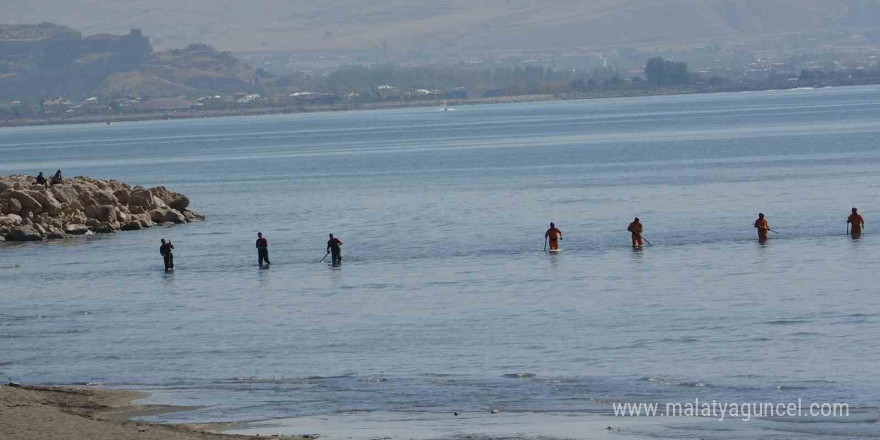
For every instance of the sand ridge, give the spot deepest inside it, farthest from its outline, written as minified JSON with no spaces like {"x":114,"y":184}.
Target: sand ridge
{"x":85,"y":413}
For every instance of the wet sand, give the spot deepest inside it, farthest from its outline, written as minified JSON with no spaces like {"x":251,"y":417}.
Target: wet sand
{"x":83,"y":413}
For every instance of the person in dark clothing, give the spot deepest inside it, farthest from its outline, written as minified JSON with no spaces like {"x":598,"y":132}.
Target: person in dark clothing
{"x":334,"y":247}
{"x":167,"y":256}
{"x":262,"y":249}
{"x":56,"y":179}
{"x":40,"y":179}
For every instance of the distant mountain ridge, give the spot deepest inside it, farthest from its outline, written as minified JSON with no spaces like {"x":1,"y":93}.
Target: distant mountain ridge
{"x":448,"y":25}
{"x":49,"y":60}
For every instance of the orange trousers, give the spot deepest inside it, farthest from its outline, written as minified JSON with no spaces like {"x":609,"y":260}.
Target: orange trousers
{"x":637,"y":240}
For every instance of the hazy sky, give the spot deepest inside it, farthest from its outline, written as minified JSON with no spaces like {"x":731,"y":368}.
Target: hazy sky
{"x":303,"y":25}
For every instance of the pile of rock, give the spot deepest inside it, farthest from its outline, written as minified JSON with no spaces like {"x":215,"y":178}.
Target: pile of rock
{"x":31,"y":212}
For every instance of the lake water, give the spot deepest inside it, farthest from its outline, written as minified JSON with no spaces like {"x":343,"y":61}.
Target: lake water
{"x":445,"y":301}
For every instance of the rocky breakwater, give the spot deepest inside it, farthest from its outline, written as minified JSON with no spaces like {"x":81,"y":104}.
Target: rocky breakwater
{"x":82,"y":205}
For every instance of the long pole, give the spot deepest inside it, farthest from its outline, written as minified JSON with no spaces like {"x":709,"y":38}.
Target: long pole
{"x":325,"y":256}
{"x":772,"y":231}
{"x":847,"y":228}
{"x":643,"y":238}
{"x":545,"y":244}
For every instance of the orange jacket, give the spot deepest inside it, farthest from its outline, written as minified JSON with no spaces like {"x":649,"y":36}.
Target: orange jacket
{"x":635,"y":228}
{"x":553,"y":233}
{"x":762,"y":223}
{"x":856,"y":220}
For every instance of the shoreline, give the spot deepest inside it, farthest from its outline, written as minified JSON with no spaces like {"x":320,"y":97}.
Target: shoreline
{"x":36,"y":412}
{"x":29,"y":412}
{"x":266,"y":111}
{"x":392,"y":105}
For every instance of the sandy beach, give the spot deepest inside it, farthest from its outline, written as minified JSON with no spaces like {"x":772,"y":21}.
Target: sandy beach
{"x":81,"y":413}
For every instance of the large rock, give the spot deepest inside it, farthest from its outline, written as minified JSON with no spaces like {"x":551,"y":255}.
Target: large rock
{"x":105,"y":228}
{"x":66,"y":194}
{"x":27,"y":202}
{"x":180,"y":203}
{"x":192,"y":216}
{"x":91,"y":211}
{"x":172,"y":199}
{"x":122,"y":195}
{"x":55,"y":234}
{"x":105,"y":198}
{"x":143,"y":219}
{"x":162,"y":215}
{"x":9,"y":220}
{"x":121,"y":216}
{"x":12,"y":206}
{"x":106,"y":213}
{"x":84,"y":205}
{"x":159,"y":203}
{"x":76,"y":229}
{"x":175,"y":216}
{"x":23,"y":233}
{"x":142,"y":198}
{"x":85,"y":199}
{"x":163,"y":194}
{"x":47,"y":201}
{"x":131,"y":226}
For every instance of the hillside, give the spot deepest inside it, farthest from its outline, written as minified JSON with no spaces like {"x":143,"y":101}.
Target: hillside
{"x":447,"y":25}
{"x":48,"y":60}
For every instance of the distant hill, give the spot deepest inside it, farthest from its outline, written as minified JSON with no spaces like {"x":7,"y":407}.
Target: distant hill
{"x":447,"y":25}
{"x":49,"y":60}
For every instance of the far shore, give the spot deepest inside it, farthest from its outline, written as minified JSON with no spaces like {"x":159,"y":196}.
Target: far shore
{"x":86,"y":413}
{"x":388,"y":105}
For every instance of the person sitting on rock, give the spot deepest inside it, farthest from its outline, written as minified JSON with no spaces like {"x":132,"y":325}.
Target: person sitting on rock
{"x":56,"y":179}
{"x":40,"y":179}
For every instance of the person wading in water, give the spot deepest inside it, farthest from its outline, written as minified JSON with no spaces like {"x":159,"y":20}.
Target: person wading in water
{"x":262,"y":250}
{"x":553,"y":235}
{"x":857,"y":222}
{"x":334,"y":247}
{"x":635,"y":228}
{"x":167,"y":256}
{"x":762,"y":226}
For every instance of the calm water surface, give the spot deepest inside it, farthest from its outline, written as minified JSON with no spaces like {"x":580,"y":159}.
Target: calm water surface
{"x":445,"y":301}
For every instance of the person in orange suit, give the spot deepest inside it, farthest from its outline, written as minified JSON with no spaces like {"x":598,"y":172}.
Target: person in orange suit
{"x":636,"y":229}
{"x":857,"y":222}
{"x":762,"y":226}
{"x":554,"y":235}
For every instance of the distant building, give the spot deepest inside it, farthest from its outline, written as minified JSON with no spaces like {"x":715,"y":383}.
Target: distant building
{"x":388,"y":92}
{"x":248,"y":98}
{"x":305,"y":98}
{"x":493,"y":93}
{"x":165,"y":104}
{"x":458,"y":93}
{"x":56,"y":103}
